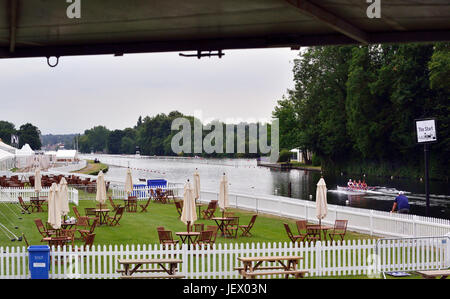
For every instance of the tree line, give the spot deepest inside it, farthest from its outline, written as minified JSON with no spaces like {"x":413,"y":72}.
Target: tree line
{"x":153,"y":136}
{"x":355,"y":107}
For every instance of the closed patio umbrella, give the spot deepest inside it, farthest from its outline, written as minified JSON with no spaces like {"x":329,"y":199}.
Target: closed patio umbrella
{"x":54,"y":212}
{"x":188,"y":215}
{"x":37,"y":181}
{"x":223,"y":193}
{"x":64,"y":196}
{"x":101,"y":189}
{"x":321,"y":200}
{"x":196,"y":185}
{"x":128,"y":182}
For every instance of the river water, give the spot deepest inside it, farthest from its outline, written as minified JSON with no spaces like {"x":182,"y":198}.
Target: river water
{"x":246,"y":177}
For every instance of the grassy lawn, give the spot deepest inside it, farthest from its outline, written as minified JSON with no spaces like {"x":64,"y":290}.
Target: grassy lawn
{"x":93,"y":168}
{"x":140,"y":228}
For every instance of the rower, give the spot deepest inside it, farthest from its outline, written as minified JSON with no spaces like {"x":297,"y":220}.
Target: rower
{"x":350,"y":184}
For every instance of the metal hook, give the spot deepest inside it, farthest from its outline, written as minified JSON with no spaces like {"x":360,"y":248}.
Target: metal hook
{"x":52,"y":65}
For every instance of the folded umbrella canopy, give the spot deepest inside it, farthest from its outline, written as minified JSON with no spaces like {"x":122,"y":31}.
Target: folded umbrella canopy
{"x":321,"y":200}
{"x":64,"y":196}
{"x":37,"y":181}
{"x":128,"y":182}
{"x":101,"y":189}
{"x":188,"y":215}
{"x":54,"y":211}
{"x":196,"y":185}
{"x":223,"y":193}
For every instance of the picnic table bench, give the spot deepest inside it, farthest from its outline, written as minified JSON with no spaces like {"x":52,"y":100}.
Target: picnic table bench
{"x":287,"y":266}
{"x":167,"y":266}
{"x":443,"y":274}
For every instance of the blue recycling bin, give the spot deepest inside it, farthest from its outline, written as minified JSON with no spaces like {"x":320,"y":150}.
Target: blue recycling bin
{"x":39,"y":261}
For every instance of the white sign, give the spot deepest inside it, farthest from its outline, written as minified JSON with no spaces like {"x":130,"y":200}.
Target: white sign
{"x":426,"y":130}
{"x":39,"y":265}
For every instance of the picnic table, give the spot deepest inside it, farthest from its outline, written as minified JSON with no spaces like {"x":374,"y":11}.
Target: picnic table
{"x":318,"y":229}
{"x":430,"y":274}
{"x":287,"y":265}
{"x":167,"y":266}
{"x":190,"y":237}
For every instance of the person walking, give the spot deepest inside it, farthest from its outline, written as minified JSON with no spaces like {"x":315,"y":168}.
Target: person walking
{"x":401,"y":204}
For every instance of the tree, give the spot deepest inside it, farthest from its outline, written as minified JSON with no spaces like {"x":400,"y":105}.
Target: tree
{"x":31,"y":135}
{"x":114,"y":142}
{"x":6,"y":130}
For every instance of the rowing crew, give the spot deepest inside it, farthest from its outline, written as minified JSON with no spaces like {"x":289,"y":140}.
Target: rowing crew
{"x":357,"y":185}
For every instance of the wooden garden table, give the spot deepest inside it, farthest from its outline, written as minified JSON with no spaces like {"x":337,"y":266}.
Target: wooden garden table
{"x":320,"y":228}
{"x":190,"y":237}
{"x":102,"y":215}
{"x":287,"y":265}
{"x":169,"y":266}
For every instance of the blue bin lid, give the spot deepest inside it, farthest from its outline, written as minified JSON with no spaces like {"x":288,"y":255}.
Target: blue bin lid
{"x":39,"y":248}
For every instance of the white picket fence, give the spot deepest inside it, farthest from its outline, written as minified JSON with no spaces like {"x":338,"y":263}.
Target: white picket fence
{"x":330,"y":259}
{"x":372,"y":222}
{"x":11,"y":195}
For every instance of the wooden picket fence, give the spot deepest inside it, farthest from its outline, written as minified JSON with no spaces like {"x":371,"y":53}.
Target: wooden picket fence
{"x":330,"y":259}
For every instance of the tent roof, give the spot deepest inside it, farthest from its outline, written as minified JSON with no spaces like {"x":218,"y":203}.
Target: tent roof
{"x":39,"y":28}
{"x":5,"y":155}
{"x":6,"y":147}
{"x":66,"y":154}
{"x":25,"y":151}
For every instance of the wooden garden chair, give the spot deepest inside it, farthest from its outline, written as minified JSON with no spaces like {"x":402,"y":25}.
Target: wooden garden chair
{"x":339,"y":229}
{"x":113,"y":221}
{"x":199,"y":227}
{"x":132,"y":204}
{"x":179,"y":207}
{"x":25,"y":206}
{"x":246,"y":228}
{"x":145,"y":206}
{"x":84,"y":232}
{"x":86,"y":219}
{"x":160,"y":228}
{"x":232,"y":227}
{"x":214,"y":229}
{"x":161,"y":197}
{"x":165,"y":237}
{"x":43,"y":230}
{"x":294,"y":238}
{"x":88,"y":242}
{"x":113,"y":205}
{"x":205,"y":238}
{"x":208,"y":213}
{"x":90,"y":212}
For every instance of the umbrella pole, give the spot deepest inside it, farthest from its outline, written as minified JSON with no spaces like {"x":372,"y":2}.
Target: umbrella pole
{"x":188,"y":226}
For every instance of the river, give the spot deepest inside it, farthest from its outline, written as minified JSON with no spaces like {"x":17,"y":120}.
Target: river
{"x":246,"y":177}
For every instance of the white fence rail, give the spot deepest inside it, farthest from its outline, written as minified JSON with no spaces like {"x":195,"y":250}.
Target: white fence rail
{"x":12,"y":194}
{"x":331,"y":259}
{"x":363,"y":220}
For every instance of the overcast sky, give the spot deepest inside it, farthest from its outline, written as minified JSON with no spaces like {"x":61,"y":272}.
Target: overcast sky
{"x":85,"y":91}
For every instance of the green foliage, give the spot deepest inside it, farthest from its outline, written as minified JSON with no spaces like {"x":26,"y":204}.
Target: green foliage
{"x":6,"y":129}
{"x":29,"y":134}
{"x":285,"y":155}
{"x":315,"y":160}
{"x":355,"y":106}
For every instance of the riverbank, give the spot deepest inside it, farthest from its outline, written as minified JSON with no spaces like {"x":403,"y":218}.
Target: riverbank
{"x":93,"y":168}
{"x":291,"y":165}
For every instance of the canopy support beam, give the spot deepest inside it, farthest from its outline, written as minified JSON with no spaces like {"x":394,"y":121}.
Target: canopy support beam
{"x":331,"y":20}
{"x":12,"y":25}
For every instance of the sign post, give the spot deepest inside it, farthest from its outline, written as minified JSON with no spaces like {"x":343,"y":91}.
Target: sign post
{"x":426,"y":133}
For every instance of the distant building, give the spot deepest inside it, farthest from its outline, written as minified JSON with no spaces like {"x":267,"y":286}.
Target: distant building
{"x":67,"y":156}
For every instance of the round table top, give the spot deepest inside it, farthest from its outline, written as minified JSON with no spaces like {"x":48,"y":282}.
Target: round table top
{"x":187,"y":233}
{"x":101,"y":210}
